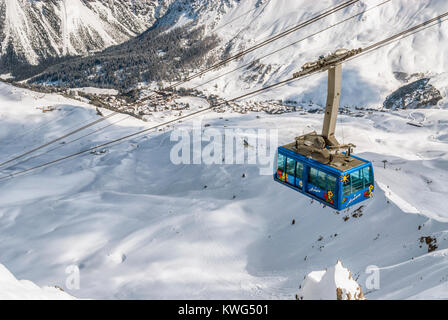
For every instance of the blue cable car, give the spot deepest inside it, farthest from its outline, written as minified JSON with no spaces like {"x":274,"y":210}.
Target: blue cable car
{"x":317,"y":165}
{"x":338,"y":188}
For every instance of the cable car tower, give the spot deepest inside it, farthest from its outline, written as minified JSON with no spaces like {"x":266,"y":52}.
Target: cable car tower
{"x":317,"y":165}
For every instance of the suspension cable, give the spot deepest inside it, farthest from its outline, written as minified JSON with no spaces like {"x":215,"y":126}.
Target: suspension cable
{"x":58,"y":139}
{"x":263,"y":43}
{"x":221,"y":63}
{"x":67,"y":143}
{"x":272,"y":39}
{"x":293,"y":43}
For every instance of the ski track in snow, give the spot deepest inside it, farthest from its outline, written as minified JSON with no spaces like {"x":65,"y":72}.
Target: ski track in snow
{"x":140,"y":227}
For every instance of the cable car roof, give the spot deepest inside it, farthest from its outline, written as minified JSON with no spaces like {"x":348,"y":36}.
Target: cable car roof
{"x":341,"y":163}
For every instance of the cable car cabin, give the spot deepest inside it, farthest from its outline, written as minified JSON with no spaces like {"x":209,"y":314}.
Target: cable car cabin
{"x":316,"y":164}
{"x":338,"y":184}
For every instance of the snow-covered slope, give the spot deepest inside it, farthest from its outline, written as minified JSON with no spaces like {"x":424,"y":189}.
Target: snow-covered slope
{"x":241,"y":24}
{"x":13,"y":289}
{"x":32,"y":30}
{"x":138,"y":226}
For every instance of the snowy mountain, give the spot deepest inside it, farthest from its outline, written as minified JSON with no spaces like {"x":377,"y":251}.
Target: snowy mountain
{"x":376,"y":74}
{"x":32,"y":30}
{"x":242,"y":24}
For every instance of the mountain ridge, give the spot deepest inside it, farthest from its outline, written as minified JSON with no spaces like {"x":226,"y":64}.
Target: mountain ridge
{"x":32,"y":31}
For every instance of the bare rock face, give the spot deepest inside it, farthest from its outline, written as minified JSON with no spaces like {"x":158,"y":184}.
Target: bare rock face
{"x":418,"y":94}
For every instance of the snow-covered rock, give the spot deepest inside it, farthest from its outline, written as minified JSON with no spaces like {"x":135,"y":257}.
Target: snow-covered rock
{"x":335,"y":283}
{"x":13,"y":289}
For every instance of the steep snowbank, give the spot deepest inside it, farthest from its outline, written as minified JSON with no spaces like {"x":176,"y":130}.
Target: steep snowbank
{"x":13,"y":289}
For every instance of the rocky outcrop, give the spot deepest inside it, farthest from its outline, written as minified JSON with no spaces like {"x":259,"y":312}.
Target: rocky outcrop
{"x":418,"y":94}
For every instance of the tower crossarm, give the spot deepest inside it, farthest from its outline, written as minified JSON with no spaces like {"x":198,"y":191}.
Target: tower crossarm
{"x":325,"y":146}
{"x":326,"y":62}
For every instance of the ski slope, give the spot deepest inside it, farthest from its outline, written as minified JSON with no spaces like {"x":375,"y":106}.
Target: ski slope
{"x":139,"y":227}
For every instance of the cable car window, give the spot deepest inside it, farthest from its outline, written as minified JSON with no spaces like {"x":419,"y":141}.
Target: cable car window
{"x":281,"y":162}
{"x":357,"y":181}
{"x":290,"y":166}
{"x":322,"y":183}
{"x":346,"y":188}
{"x":367,"y":176}
{"x":299,"y":170}
{"x":318,"y":178}
{"x":313,"y":177}
{"x":331,"y":183}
